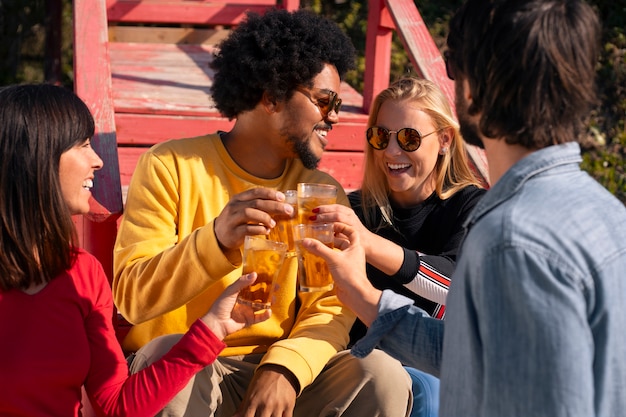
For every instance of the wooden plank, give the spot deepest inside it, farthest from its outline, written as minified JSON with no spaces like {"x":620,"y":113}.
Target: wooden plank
{"x":93,"y":85}
{"x":172,"y":35}
{"x":146,"y":130}
{"x":147,"y":79}
{"x":152,"y":73}
{"x":187,"y":12}
{"x":345,"y":167}
{"x":128,"y":161}
{"x":377,"y":53}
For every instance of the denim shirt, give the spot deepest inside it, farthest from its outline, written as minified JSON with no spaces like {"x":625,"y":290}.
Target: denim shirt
{"x":536,"y":313}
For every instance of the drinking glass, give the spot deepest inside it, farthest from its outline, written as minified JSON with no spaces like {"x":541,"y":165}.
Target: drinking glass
{"x":265,"y":257}
{"x":313,"y":273}
{"x":313,"y":195}
{"x":283,"y":231}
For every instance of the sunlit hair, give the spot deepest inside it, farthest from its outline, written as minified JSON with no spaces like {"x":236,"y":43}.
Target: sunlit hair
{"x":530,"y":67}
{"x":452,"y":172}
{"x":37,"y":237}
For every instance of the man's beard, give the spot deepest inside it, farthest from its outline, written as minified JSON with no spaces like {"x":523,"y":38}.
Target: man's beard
{"x":302,"y":148}
{"x":469,"y":130}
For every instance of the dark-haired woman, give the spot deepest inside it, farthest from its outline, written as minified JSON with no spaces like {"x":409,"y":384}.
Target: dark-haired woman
{"x":55,"y":300}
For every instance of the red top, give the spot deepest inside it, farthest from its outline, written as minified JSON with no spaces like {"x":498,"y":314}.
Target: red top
{"x":55,"y":341}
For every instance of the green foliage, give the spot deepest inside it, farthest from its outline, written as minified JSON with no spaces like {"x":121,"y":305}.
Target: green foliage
{"x":23,"y":40}
{"x":605,"y":152}
{"x":22,"y":44}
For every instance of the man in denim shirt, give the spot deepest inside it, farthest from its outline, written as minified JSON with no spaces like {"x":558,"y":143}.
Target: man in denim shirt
{"x":536,"y":314}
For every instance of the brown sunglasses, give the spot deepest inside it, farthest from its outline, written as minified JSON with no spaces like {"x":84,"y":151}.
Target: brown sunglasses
{"x":409,"y":139}
{"x":325,"y":104}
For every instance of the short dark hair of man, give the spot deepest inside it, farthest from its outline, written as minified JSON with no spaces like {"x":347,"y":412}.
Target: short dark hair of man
{"x":530,"y":67}
{"x":276,"y":52}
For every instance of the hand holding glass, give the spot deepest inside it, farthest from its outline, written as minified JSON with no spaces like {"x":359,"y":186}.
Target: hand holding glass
{"x":283,"y":231}
{"x":313,"y":273}
{"x":265,"y":257}
{"x":311,"y":196}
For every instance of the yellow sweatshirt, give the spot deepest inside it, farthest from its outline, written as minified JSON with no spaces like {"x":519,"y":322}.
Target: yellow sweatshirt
{"x":169,"y":268}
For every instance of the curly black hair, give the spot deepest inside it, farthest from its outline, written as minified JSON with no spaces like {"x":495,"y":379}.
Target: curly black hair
{"x":276,"y":52}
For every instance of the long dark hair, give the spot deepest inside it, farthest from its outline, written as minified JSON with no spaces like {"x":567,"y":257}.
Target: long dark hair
{"x":37,"y":236}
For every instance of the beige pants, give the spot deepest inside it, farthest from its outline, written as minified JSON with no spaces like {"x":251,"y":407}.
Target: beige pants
{"x":374,"y":386}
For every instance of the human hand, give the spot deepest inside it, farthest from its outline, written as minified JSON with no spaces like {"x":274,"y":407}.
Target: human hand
{"x":270,"y":394}
{"x":380,"y":252}
{"x":227,"y":315}
{"x":249,"y":213}
{"x":338,"y":213}
{"x":347,"y":267}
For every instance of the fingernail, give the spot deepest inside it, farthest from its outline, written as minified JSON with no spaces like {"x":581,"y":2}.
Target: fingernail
{"x":316,"y":210}
{"x":313,"y":217}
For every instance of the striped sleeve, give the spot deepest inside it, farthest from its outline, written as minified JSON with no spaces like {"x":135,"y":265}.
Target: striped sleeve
{"x":432,"y":285}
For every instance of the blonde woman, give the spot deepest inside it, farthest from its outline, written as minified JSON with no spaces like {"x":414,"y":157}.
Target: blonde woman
{"x":417,"y":191}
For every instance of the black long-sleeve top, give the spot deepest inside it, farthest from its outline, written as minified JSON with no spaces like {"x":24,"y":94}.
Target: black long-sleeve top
{"x":430,"y":234}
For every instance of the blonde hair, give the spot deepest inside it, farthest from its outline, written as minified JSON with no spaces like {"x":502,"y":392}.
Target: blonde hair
{"x":452,"y":171}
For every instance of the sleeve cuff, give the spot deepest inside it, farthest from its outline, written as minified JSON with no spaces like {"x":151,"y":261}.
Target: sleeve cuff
{"x":391,"y":308}
{"x":409,"y":268}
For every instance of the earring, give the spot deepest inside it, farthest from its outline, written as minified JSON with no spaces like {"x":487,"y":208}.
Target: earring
{"x":443,"y":151}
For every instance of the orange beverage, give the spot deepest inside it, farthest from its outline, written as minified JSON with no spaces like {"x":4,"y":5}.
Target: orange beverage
{"x":283,"y":231}
{"x":311,"y":196}
{"x":265,"y":257}
{"x":313,"y":273}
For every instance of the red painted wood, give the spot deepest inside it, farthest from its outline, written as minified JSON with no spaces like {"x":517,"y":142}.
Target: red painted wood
{"x":189,"y":12}
{"x":377,"y":53}
{"x":146,"y":130}
{"x":147,"y":79}
{"x":345,"y":167}
{"x":291,"y":5}
{"x":92,"y":82}
{"x":424,"y":53}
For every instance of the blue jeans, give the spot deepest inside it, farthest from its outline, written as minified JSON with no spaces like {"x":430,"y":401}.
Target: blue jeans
{"x":425,"y":393}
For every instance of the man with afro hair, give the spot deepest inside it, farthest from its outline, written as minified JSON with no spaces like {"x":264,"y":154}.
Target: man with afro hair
{"x":191,"y":203}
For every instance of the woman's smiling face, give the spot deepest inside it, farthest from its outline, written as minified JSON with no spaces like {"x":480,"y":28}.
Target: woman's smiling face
{"x":76,"y":172}
{"x":410,"y":175}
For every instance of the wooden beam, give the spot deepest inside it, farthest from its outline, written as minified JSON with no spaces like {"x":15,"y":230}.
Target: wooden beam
{"x":377,"y":52}
{"x":422,"y":50}
{"x":92,"y":83}
{"x":197,"y":12}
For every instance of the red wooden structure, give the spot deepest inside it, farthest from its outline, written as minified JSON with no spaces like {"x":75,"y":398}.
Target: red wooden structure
{"x":142,"y":68}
